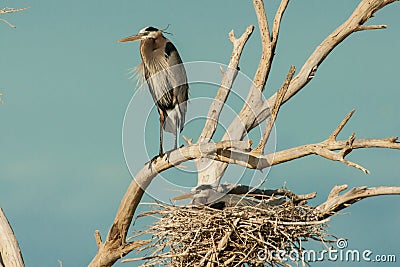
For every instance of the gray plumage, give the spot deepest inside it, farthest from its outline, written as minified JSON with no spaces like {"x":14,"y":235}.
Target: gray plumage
{"x":166,"y":77}
{"x":217,"y":196}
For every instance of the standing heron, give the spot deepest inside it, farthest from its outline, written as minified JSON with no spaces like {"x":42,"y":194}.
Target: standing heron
{"x":166,"y":77}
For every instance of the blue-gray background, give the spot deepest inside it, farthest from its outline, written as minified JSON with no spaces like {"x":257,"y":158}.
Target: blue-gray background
{"x":65,"y":85}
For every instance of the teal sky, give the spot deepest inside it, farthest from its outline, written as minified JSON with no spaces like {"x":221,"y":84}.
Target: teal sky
{"x":65,"y":84}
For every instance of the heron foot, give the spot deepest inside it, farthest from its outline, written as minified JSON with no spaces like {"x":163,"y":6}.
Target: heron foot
{"x":167,"y":154}
{"x":154,"y":159}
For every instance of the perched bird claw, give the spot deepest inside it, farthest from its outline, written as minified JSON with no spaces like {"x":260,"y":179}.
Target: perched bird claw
{"x":154,"y":159}
{"x":167,"y":154}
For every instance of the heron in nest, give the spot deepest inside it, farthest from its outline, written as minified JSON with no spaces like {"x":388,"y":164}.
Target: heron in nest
{"x":220,"y":197}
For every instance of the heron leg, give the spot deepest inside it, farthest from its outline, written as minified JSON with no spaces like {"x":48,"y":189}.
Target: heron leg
{"x":176,"y":134}
{"x":162,"y":119}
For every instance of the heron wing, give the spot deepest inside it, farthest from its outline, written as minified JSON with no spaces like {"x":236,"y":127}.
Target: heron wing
{"x":157,"y":75}
{"x":178,"y":80}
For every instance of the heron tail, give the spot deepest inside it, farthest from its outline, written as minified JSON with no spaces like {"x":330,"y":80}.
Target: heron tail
{"x":175,"y":119}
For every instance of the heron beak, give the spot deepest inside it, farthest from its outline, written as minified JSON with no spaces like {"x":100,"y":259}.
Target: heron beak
{"x":184,"y":196}
{"x":131,"y":38}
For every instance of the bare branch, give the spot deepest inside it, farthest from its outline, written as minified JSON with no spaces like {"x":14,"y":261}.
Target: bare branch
{"x":268,"y":42}
{"x":324,"y":149}
{"x":268,"y":127}
{"x":277,"y":20}
{"x":371,"y":27}
{"x":226,"y":84}
{"x":339,"y":156}
{"x":341,"y":125}
{"x":301,"y":151}
{"x":8,"y":23}
{"x":10,"y":253}
{"x":336,"y":202}
{"x":97,"y":237}
{"x":11,"y":10}
{"x":133,"y":245}
{"x":264,"y":66}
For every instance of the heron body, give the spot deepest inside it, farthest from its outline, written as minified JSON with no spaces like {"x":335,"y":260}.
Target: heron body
{"x":165,"y":74}
{"x":218,"y":197}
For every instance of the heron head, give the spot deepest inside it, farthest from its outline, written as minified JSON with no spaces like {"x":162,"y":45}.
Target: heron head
{"x":145,"y":33}
{"x":202,"y":191}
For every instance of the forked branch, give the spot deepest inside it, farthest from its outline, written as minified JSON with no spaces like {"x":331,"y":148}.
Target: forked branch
{"x":324,"y":149}
{"x":338,"y":129}
{"x":268,"y":40}
{"x":337,"y":202}
{"x":226,"y":84}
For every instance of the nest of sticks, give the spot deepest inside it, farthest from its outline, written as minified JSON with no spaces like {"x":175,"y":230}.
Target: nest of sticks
{"x":234,"y":236}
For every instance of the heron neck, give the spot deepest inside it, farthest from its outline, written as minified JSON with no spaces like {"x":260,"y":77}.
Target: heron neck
{"x":149,"y":47}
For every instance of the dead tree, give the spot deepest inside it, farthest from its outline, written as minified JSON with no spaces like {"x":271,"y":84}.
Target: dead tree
{"x":212,"y":159}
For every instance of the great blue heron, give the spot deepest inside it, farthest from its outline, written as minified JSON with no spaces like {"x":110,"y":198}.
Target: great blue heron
{"x":221,"y":196}
{"x":166,"y":77}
